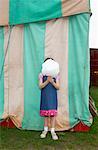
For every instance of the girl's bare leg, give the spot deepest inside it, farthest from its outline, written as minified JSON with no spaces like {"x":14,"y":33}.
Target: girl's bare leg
{"x":46,"y":122}
{"x":44,"y":133}
{"x":54,"y":136}
{"x":52,"y":121}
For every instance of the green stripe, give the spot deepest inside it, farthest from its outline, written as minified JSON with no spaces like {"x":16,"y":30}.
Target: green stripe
{"x":1,"y":71}
{"x":34,"y":38}
{"x":25,"y":11}
{"x":78,"y":72}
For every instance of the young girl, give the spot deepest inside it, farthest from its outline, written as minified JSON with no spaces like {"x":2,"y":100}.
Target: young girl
{"x":49,"y":103}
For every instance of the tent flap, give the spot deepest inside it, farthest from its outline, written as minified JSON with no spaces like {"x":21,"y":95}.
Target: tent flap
{"x":22,"y":11}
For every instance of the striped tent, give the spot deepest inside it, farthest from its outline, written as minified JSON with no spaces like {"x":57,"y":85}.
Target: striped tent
{"x":31,"y":31}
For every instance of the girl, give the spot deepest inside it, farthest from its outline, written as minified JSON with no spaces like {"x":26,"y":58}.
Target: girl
{"x":48,"y":105}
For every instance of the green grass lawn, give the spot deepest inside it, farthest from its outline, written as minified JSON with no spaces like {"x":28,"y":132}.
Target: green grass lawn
{"x":14,"y":139}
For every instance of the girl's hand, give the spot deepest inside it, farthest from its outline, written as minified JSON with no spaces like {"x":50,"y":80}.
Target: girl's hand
{"x":50,"y":79}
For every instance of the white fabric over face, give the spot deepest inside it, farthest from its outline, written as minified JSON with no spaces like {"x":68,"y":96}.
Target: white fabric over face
{"x":50,"y":68}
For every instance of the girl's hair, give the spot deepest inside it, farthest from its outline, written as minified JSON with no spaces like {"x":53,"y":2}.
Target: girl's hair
{"x":48,"y":58}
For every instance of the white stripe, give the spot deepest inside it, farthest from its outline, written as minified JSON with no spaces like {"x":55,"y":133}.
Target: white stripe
{"x":4,"y":12}
{"x":13,"y":76}
{"x":73,"y":7}
{"x":56,"y":46}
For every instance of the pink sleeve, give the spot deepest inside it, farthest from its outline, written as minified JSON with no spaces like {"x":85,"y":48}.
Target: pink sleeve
{"x":58,"y":77}
{"x":41,"y":77}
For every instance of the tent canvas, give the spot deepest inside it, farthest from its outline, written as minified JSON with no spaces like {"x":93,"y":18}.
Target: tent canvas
{"x":62,"y":34}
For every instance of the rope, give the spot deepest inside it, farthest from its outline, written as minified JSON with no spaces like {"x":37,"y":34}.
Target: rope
{"x":1,"y":71}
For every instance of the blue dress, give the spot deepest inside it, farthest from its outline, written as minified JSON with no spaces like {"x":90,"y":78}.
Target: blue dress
{"x":48,"y":105}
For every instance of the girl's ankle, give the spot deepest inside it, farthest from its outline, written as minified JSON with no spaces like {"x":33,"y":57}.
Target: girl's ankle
{"x":46,"y":128}
{"x":52,"y":130}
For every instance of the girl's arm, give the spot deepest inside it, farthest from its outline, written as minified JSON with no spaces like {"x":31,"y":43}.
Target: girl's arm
{"x":41,"y":83}
{"x":57,"y":84}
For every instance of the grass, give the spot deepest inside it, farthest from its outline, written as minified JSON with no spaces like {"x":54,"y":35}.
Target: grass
{"x":14,"y":139}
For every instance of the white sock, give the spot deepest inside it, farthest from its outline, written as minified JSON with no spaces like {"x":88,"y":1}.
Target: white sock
{"x":52,"y":130}
{"x":46,"y":128}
